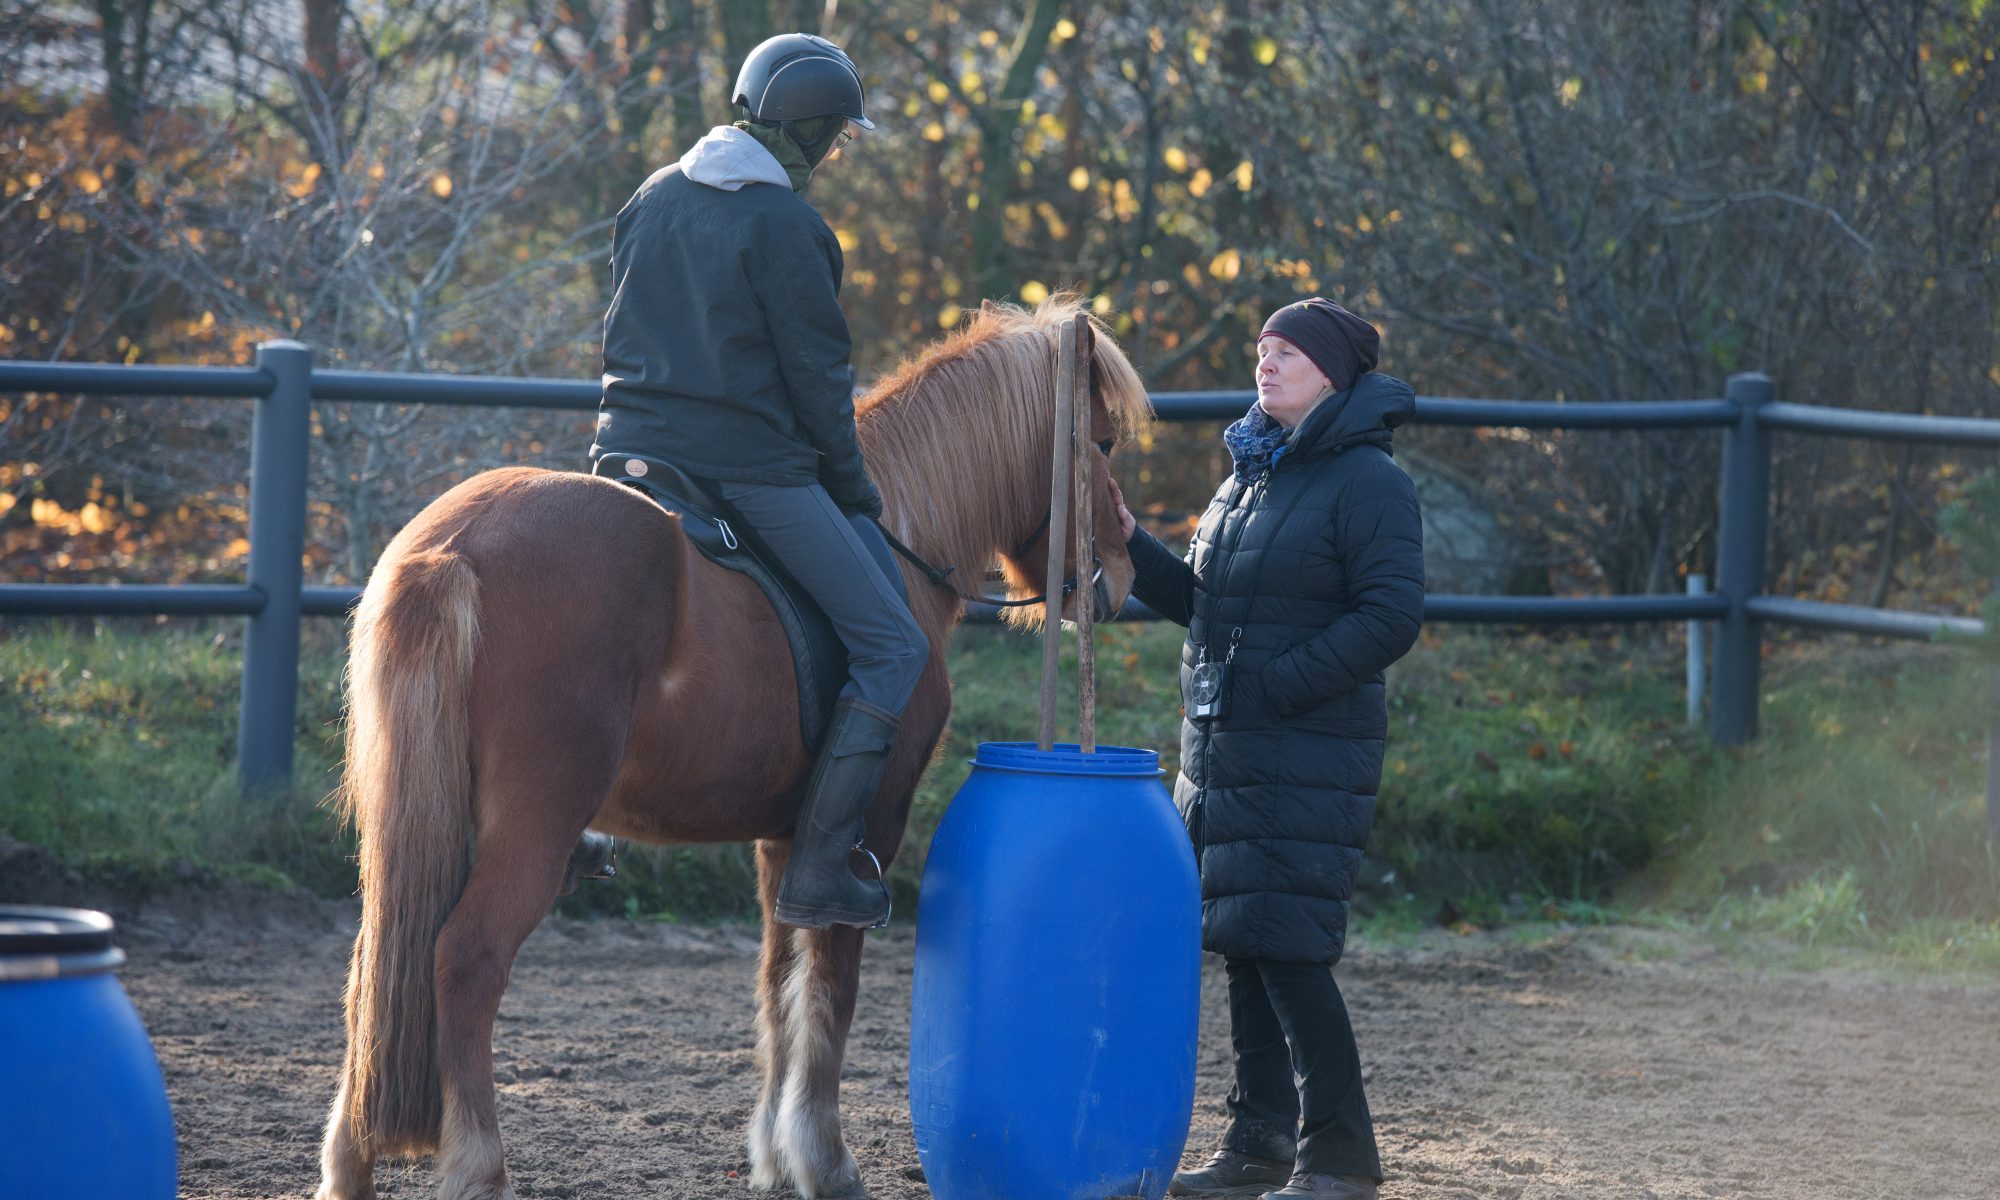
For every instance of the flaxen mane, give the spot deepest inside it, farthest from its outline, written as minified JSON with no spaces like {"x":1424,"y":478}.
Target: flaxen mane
{"x":944,"y":423}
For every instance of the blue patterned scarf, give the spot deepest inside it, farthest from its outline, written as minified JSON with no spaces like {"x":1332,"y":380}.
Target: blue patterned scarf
{"x":1256,"y":441}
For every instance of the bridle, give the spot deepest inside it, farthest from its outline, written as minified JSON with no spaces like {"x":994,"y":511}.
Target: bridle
{"x":941,"y":576}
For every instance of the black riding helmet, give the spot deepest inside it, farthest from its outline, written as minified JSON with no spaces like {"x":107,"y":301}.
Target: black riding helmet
{"x":795,"y":79}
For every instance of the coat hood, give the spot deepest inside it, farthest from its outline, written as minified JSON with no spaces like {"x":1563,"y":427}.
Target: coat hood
{"x":728,"y":158}
{"x":1366,"y":412}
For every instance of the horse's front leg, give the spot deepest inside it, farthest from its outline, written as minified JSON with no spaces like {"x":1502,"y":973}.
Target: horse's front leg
{"x":820,"y":1008}
{"x":781,"y":954}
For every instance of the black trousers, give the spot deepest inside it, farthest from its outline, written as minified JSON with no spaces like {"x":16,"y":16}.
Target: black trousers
{"x":1298,"y":1072}
{"x":822,"y":548}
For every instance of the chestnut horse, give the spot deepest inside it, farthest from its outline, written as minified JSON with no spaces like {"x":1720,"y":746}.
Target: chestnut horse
{"x":541,"y":651}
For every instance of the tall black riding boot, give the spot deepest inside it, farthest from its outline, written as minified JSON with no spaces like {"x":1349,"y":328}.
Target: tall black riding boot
{"x":818,"y":888}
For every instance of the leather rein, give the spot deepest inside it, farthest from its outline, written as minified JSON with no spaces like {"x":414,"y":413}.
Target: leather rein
{"x":941,"y":576}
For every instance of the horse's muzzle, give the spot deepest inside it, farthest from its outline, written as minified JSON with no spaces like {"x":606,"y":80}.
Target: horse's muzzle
{"x":1100,"y":599}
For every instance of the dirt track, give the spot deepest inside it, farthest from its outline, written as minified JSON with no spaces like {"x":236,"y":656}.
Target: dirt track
{"x":1562,"y":1069}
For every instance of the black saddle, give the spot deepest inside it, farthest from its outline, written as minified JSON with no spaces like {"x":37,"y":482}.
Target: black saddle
{"x":818,"y":657}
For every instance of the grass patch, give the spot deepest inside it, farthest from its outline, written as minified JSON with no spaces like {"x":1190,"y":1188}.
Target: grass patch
{"x":1528,"y":779}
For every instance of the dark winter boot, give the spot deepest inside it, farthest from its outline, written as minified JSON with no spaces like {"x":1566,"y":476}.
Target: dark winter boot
{"x":818,"y":888}
{"x":595,"y":857}
{"x":1231,"y":1173}
{"x":1309,"y":1186}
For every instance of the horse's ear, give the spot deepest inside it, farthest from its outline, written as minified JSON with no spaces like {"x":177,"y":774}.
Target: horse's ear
{"x":986,"y":307}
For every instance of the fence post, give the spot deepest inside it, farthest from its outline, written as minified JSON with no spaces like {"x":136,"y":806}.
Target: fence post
{"x":280,"y":435}
{"x":1745,"y":514}
{"x":1697,"y":656}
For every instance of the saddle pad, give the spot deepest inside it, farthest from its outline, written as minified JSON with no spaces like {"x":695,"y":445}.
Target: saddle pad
{"x":818,"y":658}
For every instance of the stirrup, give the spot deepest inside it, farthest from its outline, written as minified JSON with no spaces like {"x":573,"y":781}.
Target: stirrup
{"x":881,"y":881}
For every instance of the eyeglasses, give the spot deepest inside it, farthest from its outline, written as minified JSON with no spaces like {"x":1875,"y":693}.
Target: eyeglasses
{"x":841,"y":139}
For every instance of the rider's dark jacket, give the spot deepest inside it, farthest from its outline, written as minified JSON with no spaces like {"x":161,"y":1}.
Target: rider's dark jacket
{"x":725,"y":351}
{"x":1319,"y":564}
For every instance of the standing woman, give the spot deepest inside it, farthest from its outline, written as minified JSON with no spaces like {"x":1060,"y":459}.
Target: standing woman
{"x":1305,"y":581}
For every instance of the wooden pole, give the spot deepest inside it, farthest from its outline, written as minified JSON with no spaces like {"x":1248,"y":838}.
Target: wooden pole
{"x":1086,"y":614}
{"x":1059,"y":490}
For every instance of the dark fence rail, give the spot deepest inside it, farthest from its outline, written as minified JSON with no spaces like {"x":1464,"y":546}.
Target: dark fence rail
{"x":284,"y":384}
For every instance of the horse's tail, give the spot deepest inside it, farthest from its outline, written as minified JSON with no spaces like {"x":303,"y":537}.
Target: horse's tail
{"x":408,"y":792}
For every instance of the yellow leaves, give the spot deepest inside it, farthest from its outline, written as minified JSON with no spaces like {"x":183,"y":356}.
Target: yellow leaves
{"x":1226,"y":265}
{"x":1192,"y":274}
{"x":1065,"y":30}
{"x":1568,"y":91}
{"x":656,"y":76}
{"x":1365,"y":225}
{"x":1200,"y":182}
{"x":1034,"y":291}
{"x":1245,"y":174}
{"x":846,"y":239}
{"x":1101,"y":304}
{"x":237,"y":548}
{"x":911,"y":105}
{"x":1079,"y":179}
{"x":934,"y":132}
{"x":308,"y":178}
{"x":1124,"y":201}
{"x":1198,"y":46}
{"x":89,"y":182}
{"x":441,"y":185}
{"x":1176,"y":159}
{"x":1459,"y":146}
{"x":949,"y":315}
{"x":989,"y":38}
{"x":1265,"y":51}
{"x":970,"y":82}
{"x":7,"y":502}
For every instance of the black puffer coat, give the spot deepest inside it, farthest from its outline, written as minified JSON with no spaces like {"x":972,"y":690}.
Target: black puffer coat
{"x":1320,"y":564}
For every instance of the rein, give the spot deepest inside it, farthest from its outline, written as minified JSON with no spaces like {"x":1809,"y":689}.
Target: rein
{"x":941,"y":576}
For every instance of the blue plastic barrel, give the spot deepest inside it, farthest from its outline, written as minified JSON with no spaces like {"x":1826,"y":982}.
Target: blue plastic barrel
{"x":1058,"y":978}
{"x":83,"y":1108}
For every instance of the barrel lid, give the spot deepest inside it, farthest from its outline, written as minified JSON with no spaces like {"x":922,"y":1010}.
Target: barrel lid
{"x":53,"y":943}
{"x":1068,"y":758}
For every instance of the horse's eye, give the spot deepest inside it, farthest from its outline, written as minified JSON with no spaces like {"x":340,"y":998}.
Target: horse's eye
{"x":1106,"y":446}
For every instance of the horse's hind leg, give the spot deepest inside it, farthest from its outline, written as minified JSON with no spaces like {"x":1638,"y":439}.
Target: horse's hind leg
{"x":529,"y":817}
{"x":346,"y":1170}
{"x":819,"y":1009}
{"x":781,"y":953}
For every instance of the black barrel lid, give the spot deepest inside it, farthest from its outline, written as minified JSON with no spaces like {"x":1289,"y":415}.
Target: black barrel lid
{"x":27,"y":929}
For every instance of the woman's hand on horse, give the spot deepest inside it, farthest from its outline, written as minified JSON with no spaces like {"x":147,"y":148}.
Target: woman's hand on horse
{"x":1126,"y":521}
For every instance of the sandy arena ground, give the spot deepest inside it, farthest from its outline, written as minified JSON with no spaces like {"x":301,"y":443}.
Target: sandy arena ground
{"x":1571,"y":1067}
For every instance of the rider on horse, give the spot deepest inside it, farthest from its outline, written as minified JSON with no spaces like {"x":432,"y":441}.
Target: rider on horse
{"x":726,"y":356}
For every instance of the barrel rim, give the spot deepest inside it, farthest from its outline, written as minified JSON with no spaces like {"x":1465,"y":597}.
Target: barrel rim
{"x":31,"y":930}
{"x":33,"y":968}
{"x":1068,"y":758}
